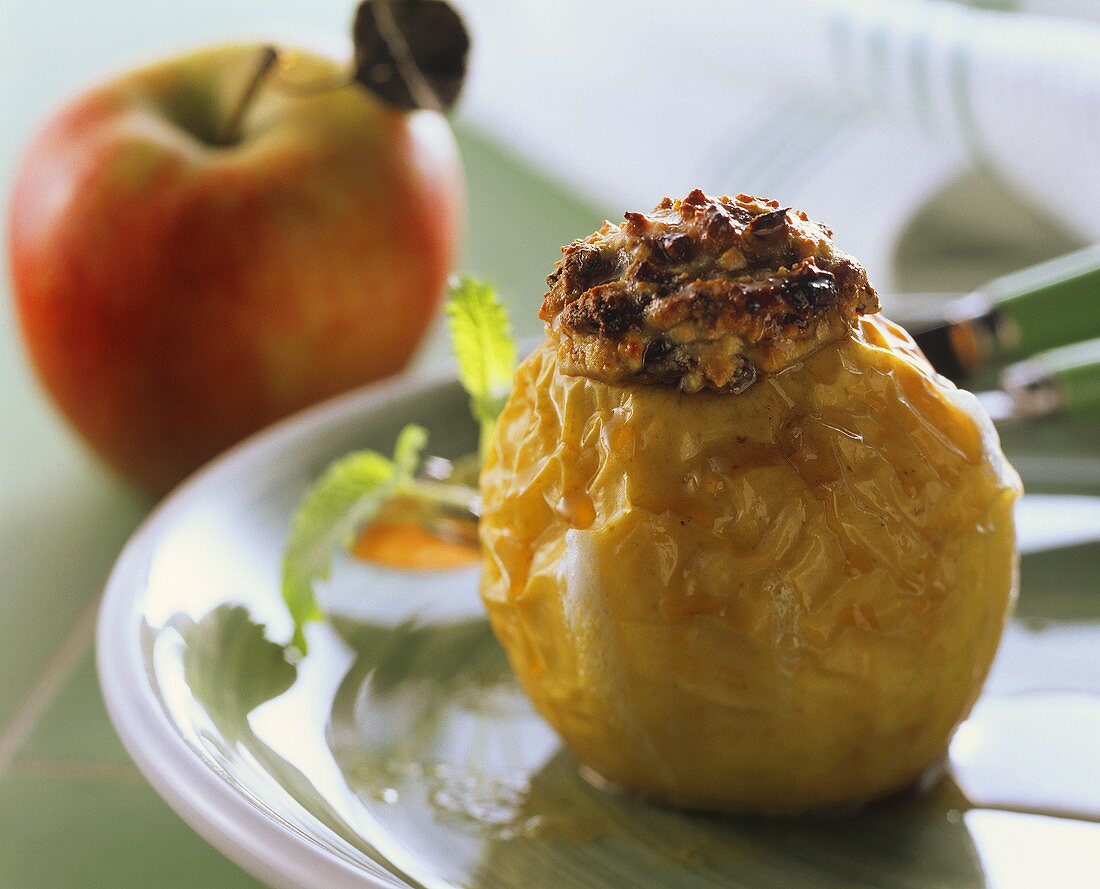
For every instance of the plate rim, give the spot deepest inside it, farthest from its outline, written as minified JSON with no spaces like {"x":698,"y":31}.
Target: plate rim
{"x":255,"y":839}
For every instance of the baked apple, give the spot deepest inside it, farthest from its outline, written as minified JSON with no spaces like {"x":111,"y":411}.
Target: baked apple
{"x":745,"y":549}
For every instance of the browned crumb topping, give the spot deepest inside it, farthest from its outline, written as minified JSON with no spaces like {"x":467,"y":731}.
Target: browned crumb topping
{"x":702,"y":293}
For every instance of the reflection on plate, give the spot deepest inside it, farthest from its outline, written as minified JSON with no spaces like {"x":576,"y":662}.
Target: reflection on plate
{"x":401,"y":752}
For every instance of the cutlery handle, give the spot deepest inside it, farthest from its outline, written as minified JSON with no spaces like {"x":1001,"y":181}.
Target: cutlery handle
{"x":1016,"y":315}
{"x":1048,"y":305}
{"x":1063,"y":380}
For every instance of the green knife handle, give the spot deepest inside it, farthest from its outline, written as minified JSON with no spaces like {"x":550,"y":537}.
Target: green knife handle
{"x":1050,"y":304}
{"x":1076,"y":370}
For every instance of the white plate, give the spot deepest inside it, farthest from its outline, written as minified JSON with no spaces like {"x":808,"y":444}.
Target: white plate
{"x":400,"y":752}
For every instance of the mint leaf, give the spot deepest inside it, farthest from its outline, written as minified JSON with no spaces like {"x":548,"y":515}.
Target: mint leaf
{"x":410,"y":444}
{"x":354,"y":489}
{"x":486,"y":352}
{"x":350,"y":493}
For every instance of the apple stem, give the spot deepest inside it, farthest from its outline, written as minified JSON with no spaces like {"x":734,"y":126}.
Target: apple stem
{"x":230,"y":131}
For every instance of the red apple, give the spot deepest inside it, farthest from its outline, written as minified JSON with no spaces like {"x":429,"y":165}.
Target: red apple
{"x":177,"y":293}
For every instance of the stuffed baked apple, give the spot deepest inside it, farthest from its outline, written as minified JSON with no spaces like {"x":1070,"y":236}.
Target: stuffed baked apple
{"x":745,"y":549}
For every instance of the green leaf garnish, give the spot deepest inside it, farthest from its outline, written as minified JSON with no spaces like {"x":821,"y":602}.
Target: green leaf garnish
{"x":410,"y":444}
{"x":350,"y":493}
{"x":486,"y":352}
{"x":354,"y":489}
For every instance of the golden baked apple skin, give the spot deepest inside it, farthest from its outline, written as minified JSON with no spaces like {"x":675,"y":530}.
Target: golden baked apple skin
{"x":778,"y":601}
